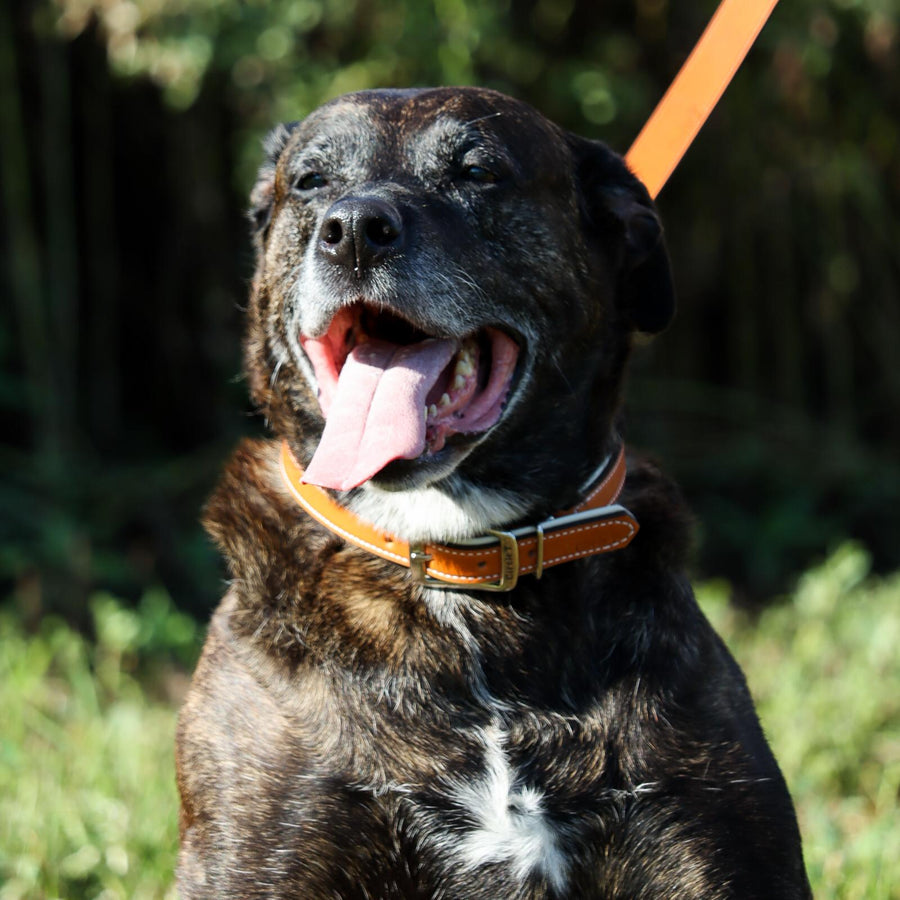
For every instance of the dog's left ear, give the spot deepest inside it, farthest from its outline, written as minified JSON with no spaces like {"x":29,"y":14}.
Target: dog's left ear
{"x":262,"y":197}
{"x":617,"y":208}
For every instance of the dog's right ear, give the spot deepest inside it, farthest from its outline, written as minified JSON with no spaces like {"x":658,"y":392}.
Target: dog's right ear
{"x":262,"y":197}
{"x":620,"y":213}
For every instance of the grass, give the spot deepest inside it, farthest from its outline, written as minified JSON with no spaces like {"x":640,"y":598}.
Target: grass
{"x":825,"y":673}
{"x":88,"y":806}
{"x":87,"y":794}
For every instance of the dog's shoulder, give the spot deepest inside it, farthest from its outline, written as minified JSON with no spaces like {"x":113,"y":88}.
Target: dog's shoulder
{"x":299,"y":592}
{"x":271,"y":548}
{"x":665,"y":520}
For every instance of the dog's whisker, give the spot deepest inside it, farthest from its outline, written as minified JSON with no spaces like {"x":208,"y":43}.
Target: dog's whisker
{"x":484,"y":118}
{"x":274,"y":377}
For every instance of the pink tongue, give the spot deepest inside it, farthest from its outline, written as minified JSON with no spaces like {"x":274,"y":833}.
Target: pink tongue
{"x":377,"y":412}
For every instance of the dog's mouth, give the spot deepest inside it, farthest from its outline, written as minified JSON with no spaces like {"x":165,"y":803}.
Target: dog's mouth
{"x":389,"y":390}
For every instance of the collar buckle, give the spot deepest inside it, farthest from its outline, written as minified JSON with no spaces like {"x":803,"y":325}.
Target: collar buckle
{"x":509,"y":567}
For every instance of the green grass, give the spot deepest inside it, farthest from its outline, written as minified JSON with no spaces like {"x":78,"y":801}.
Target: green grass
{"x":824,"y":670}
{"x":88,"y":807}
{"x":87,"y":794}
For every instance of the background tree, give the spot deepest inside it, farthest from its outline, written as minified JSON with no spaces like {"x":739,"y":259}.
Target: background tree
{"x":130,"y":135}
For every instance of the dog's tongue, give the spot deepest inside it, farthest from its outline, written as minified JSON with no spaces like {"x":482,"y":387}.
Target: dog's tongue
{"x":376,"y":413}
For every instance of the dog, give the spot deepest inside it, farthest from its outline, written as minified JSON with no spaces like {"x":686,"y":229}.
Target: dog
{"x":458,"y":656}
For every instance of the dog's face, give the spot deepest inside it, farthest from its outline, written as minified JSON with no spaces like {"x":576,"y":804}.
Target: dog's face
{"x":445,"y":294}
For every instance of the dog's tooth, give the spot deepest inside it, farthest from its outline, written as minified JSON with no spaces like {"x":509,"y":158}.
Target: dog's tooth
{"x":459,"y":382}
{"x":432,"y":411}
{"x":464,"y":362}
{"x":425,"y":411}
{"x":444,"y":401}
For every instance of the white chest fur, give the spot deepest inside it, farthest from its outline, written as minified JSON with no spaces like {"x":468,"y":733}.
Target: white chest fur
{"x":510,"y":823}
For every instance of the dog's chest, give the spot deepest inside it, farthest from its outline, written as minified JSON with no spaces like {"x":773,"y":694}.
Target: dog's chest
{"x":488,"y":812}
{"x":412,"y":804}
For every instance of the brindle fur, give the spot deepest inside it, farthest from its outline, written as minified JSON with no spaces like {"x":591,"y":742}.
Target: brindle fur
{"x":339,"y":711}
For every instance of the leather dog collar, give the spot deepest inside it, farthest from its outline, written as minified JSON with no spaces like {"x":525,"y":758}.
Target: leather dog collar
{"x":493,"y":562}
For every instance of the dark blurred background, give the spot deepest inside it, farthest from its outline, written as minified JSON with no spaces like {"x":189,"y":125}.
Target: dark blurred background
{"x":130,"y":132}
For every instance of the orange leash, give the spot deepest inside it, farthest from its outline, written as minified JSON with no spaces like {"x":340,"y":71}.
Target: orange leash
{"x":696,"y":90}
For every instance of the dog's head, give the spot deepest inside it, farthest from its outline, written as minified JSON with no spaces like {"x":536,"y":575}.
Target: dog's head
{"x":446,"y":289}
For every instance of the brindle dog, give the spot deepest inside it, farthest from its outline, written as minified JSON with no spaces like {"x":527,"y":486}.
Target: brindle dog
{"x":351,"y":733}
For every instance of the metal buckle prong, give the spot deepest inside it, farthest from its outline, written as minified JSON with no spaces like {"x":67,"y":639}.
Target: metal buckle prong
{"x":418,"y":560}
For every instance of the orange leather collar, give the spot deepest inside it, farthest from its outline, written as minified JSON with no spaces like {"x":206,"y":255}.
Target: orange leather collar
{"x":493,"y":562}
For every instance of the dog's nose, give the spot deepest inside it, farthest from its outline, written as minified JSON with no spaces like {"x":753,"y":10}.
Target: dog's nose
{"x":360,"y":232}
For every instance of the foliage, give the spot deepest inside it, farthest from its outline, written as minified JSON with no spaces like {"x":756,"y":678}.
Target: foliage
{"x":87,"y":800}
{"x":825,"y":674}
{"x":87,"y":789}
{"x":284,"y":58}
{"x":126,"y":261}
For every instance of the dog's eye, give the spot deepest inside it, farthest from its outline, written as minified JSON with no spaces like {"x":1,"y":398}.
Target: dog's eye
{"x":480,"y":175}
{"x":311,"y":181}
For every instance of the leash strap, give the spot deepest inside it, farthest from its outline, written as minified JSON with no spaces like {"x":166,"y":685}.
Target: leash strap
{"x":696,"y":90}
